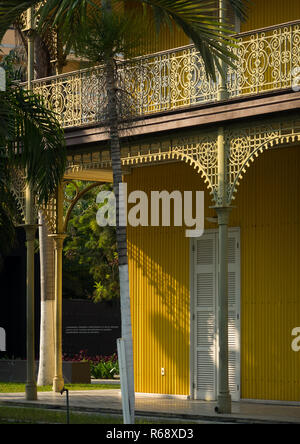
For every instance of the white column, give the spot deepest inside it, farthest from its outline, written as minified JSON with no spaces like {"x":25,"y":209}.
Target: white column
{"x":30,"y":388}
{"x":58,"y":381}
{"x":58,"y":237}
{"x":46,"y":355}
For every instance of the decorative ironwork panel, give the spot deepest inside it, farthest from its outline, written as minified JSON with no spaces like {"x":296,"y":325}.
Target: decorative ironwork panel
{"x":266,"y":61}
{"x":168,"y":80}
{"x":173,"y":79}
{"x":243,"y":144}
{"x":50,"y":38}
{"x":199,"y":150}
{"x":50,"y":213}
{"x":18,"y":188}
{"x":246,"y":143}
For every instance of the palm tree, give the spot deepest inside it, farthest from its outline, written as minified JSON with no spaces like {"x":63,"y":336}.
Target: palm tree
{"x":102,"y":37}
{"x":107,"y":32}
{"x":195,"y":17}
{"x":31,"y":141}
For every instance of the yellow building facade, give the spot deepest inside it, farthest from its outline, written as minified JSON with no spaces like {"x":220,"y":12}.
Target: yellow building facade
{"x":266,"y":212}
{"x":243,"y":152}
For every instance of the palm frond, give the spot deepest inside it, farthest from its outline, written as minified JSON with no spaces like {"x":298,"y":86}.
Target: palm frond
{"x":8,"y":208}
{"x":67,"y":17}
{"x":38,"y":144}
{"x":199,"y":21}
{"x":240,"y":8}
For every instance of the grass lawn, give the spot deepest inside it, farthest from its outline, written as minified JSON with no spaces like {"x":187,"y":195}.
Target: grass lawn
{"x":26,"y":415}
{"x":30,"y":415}
{"x":13,"y":387}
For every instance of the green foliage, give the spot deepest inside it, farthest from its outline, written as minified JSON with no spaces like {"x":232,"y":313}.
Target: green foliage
{"x":102,"y":367}
{"x":197,"y":18}
{"x":14,"y":66}
{"x":31,"y":140}
{"x":8,"y":212}
{"x":105,"y":369}
{"x":10,"y":10}
{"x":90,"y":258}
{"x":38,"y":141}
{"x":107,"y":35}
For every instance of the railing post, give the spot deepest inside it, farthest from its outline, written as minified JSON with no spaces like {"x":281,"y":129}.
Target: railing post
{"x":222,"y":89}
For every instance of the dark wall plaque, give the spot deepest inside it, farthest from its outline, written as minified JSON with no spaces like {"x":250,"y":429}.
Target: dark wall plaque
{"x":91,"y":327}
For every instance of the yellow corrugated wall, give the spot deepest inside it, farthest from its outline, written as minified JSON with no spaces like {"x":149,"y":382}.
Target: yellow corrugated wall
{"x":263,"y":13}
{"x":268,"y":212}
{"x":159,"y":284}
{"x":168,"y":37}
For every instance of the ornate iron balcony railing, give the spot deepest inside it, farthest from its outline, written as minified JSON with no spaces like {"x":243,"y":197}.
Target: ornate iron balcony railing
{"x":268,"y":60}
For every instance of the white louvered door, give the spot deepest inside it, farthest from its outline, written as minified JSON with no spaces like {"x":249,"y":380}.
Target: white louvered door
{"x":204,"y":316}
{"x":234,"y":313}
{"x":205,"y":254}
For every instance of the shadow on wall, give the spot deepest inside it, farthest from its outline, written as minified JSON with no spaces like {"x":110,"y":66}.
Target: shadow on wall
{"x":159,"y":282}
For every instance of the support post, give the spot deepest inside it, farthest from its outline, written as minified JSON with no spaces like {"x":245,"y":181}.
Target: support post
{"x":30,"y":387}
{"x":223,"y":211}
{"x":58,"y":381}
{"x":224,"y":398}
{"x":124,"y":381}
{"x":58,"y":237}
{"x":46,"y":361}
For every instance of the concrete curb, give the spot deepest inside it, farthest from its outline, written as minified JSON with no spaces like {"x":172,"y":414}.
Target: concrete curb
{"x":221,"y":419}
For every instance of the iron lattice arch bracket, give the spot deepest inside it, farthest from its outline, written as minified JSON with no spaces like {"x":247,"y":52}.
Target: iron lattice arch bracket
{"x":18,"y":189}
{"x":243,"y":145}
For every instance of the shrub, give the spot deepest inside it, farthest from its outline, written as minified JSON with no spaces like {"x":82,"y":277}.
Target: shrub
{"x":102,"y":367}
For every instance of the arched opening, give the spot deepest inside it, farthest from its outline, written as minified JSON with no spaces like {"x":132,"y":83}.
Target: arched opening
{"x":91,"y":311}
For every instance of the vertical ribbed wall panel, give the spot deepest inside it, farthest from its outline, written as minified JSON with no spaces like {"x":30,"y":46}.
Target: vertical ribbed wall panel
{"x":159,"y":276}
{"x":268,"y":213}
{"x":168,"y":37}
{"x":263,"y":13}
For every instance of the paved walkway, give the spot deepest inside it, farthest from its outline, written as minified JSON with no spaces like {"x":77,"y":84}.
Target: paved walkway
{"x":109,"y":401}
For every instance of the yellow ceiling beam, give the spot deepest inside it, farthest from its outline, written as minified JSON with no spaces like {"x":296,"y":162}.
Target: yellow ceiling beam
{"x":102,"y":176}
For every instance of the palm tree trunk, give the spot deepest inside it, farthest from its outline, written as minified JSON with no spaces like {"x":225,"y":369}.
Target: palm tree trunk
{"x":46,"y":356}
{"x":126,"y":328}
